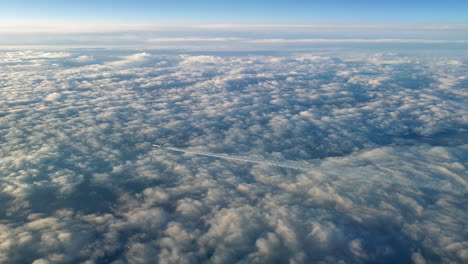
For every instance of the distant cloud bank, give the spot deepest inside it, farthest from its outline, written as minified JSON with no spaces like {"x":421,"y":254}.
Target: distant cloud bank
{"x":223,"y":36}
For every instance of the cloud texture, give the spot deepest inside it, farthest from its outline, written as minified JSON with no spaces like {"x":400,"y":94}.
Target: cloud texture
{"x":80,"y":180}
{"x":230,"y":37}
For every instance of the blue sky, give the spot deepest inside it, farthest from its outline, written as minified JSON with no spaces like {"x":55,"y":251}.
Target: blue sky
{"x":240,"y":11}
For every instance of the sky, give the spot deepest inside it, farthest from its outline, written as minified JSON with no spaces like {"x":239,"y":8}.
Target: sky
{"x":228,"y":25}
{"x":233,"y":132}
{"x":243,"y":11}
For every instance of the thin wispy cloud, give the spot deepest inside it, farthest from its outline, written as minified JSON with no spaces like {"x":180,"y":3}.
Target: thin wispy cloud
{"x":240,"y":35}
{"x":422,"y":41}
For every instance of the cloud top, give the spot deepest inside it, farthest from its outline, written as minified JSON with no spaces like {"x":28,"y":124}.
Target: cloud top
{"x":82,"y":182}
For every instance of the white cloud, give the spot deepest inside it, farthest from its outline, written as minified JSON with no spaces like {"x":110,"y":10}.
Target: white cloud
{"x":194,"y":39}
{"x":383,"y":136}
{"x":190,"y":60}
{"x":52,"y":97}
{"x":83,"y":59}
{"x":344,"y":40}
{"x":134,"y":59}
{"x":230,"y":37}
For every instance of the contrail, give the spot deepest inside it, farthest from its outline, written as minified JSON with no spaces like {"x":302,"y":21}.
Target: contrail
{"x":351,"y":172}
{"x":282,"y":164}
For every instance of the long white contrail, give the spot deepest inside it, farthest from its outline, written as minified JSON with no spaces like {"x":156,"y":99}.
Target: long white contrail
{"x":282,"y":164}
{"x":352,"y":173}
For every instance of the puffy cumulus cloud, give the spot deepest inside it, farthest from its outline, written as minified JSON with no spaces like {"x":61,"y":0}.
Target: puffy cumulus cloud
{"x":382,"y":137}
{"x":134,"y":59}
{"x":83,"y":58}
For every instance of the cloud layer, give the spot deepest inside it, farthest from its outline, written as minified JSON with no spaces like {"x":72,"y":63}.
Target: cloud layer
{"x":81,"y":181}
{"x":228,"y":36}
